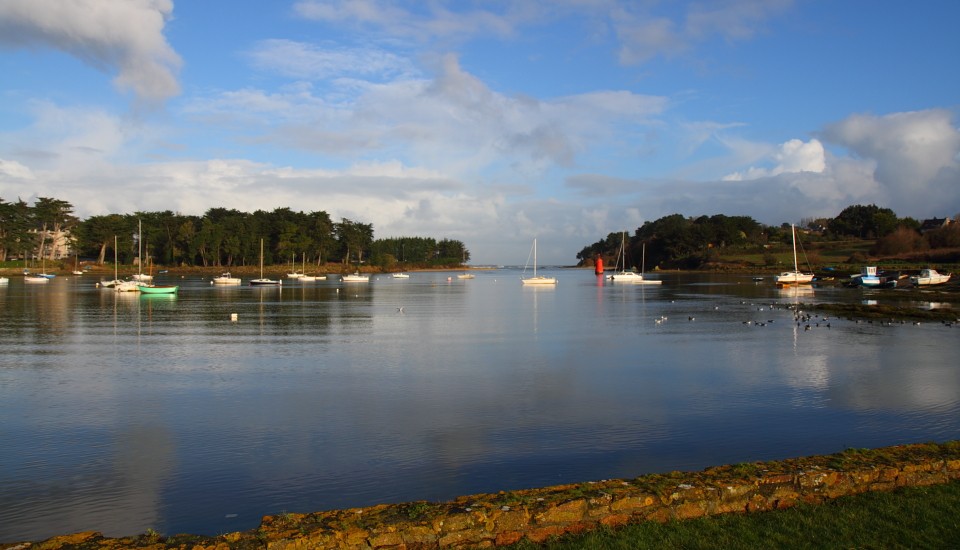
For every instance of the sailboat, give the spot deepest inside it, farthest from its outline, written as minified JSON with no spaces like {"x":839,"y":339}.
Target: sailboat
{"x":42,"y":277}
{"x":140,"y":275}
{"x":262,"y":281}
{"x":537,"y":279}
{"x":76,"y":265}
{"x":150,"y":288}
{"x":43,"y":264}
{"x":795,"y":276}
{"x":116,"y":279}
{"x":309,"y":278}
{"x":465,"y":274}
{"x":624,"y":276}
{"x":294,"y":274}
{"x":35,"y":278}
{"x":400,"y":274}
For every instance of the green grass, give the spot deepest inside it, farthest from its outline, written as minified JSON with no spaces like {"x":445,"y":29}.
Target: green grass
{"x":916,"y":517}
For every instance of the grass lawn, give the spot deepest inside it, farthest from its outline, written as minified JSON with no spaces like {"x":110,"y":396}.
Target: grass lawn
{"x":915,"y":517}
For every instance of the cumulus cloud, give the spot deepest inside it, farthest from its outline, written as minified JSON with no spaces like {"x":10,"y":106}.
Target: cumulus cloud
{"x":791,"y":157}
{"x":912,"y":150}
{"x":124,"y":37}
{"x":905,"y":161}
{"x":915,"y":154}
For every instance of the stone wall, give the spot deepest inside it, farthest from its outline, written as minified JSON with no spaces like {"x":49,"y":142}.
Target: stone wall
{"x":491,"y":520}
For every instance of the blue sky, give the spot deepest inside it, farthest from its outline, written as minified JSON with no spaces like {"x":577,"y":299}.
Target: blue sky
{"x":492,"y":122}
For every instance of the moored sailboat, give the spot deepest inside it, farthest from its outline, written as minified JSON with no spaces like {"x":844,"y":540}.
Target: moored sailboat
{"x":795,"y":276}
{"x":537,"y":279}
{"x":262,"y":281}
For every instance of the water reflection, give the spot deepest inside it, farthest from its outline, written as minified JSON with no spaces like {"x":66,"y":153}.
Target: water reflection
{"x":330,"y":395}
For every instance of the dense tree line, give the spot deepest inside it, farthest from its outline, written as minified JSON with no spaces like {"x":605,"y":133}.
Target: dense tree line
{"x":686,"y":242}
{"x":25,"y":230}
{"x":220,"y":237}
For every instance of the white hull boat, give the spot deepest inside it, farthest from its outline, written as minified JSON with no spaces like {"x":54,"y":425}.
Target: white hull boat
{"x":929,"y":277}
{"x":537,"y":279}
{"x":794,"y":277}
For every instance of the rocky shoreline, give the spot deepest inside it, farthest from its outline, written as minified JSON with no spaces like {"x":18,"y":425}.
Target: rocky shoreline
{"x":491,"y":520}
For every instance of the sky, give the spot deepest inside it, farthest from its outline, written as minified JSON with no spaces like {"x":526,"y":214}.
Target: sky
{"x":492,"y":122}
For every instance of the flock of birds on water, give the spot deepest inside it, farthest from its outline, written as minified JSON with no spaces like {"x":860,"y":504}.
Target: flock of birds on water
{"x":806,"y":320}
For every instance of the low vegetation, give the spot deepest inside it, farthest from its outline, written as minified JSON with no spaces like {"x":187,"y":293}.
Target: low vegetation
{"x":915,"y":517}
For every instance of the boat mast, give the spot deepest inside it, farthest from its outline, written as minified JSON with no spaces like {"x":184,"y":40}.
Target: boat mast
{"x":623,"y":252}
{"x":793,"y":234}
{"x":534,"y":258}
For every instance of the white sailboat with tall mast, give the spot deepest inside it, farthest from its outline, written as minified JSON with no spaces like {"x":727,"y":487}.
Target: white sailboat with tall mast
{"x":623,"y":275}
{"x":795,"y":276}
{"x":37,"y":278}
{"x":262,"y":281}
{"x":116,"y":277}
{"x":140,"y":275}
{"x":294,"y":274}
{"x":537,"y":279}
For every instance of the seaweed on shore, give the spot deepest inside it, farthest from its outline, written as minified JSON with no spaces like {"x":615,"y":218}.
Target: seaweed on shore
{"x":886,"y":312}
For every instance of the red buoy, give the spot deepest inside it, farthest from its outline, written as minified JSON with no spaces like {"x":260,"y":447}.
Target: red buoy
{"x":598,"y":266}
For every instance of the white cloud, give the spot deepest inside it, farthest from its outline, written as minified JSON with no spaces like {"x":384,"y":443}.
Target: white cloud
{"x":415,"y":20}
{"x":13,"y":170}
{"x":643,"y":30}
{"x":649,"y":30}
{"x":793,"y":156}
{"x":310,"y":62}
{"x":126,"y":37}
{"x":912,"y":150}
{"x":915,"y":155}
{"x":453,"y":122}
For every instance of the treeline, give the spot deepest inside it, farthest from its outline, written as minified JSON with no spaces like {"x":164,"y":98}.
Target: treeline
{"x":676,"y":241}
{"x":220,"y":237}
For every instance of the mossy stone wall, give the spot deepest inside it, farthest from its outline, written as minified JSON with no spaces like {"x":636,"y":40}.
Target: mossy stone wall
{"x":490,"y":520}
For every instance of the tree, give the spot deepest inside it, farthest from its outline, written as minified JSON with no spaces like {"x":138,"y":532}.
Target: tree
{"x":321,"y":229}
{"x":354,"y":238}
{"x":944,"y":237}
{"x":865,"y":222}
{"x":52,"y":217}
{"x":15,"y":225}
{"x":452,"y":252}
{"x":96,"y":233}
{"x":903,"y":240}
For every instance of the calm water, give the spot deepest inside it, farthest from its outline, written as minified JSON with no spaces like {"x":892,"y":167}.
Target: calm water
{"x":122,"y":413}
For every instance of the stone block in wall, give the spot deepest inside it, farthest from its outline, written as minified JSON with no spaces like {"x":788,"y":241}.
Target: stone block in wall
{"x":567,"y":512}
{"x":419,"y":536}
{"x":632,"y":503}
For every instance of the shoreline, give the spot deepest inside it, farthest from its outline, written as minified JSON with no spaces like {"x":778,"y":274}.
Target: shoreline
{"x":508,"y":517}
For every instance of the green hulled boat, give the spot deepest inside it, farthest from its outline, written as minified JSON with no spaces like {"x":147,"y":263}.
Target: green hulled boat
{"x":159,"y":289}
